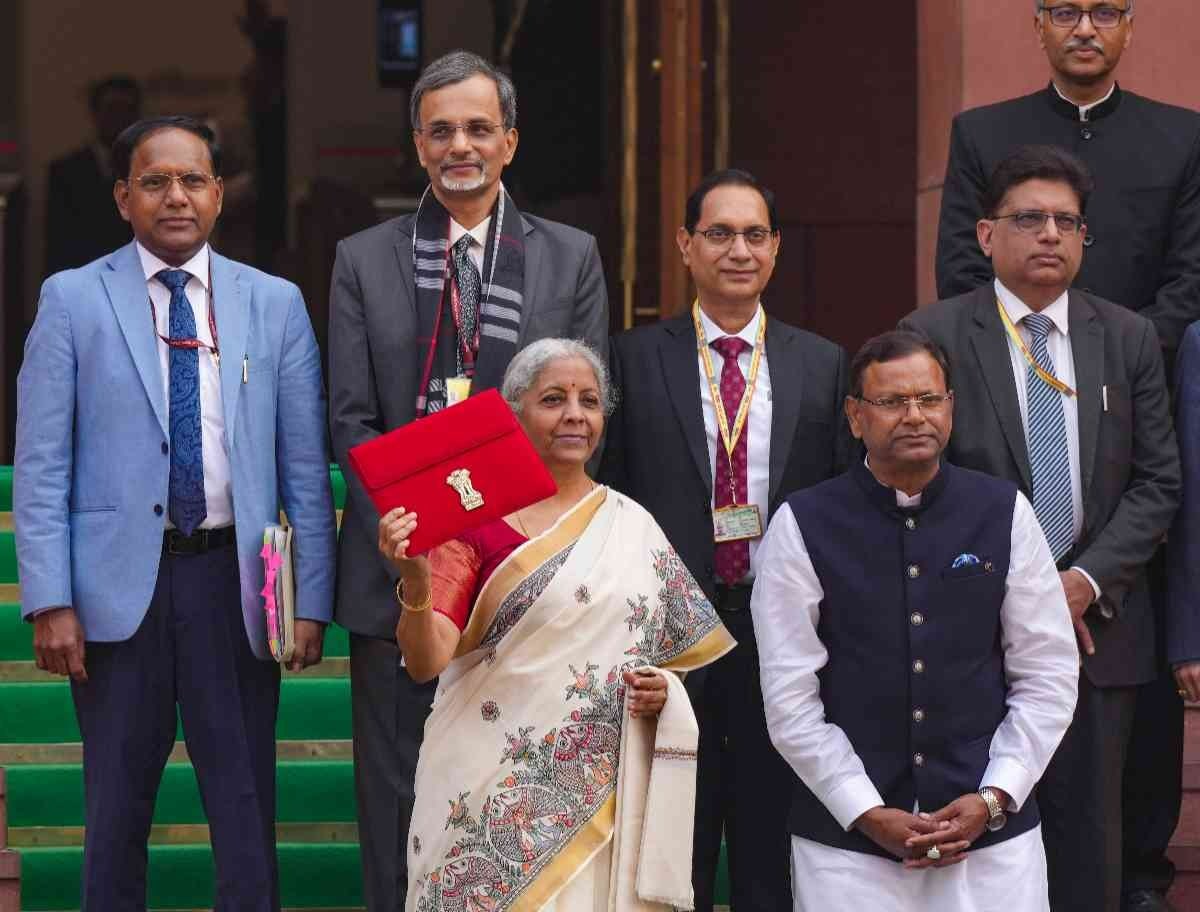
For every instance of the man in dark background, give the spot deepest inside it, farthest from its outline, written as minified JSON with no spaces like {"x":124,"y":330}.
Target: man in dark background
{"x":82,"y":222}
{"x":1142,"y":252}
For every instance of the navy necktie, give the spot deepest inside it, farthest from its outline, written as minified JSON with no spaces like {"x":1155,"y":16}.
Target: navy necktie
{"x":1047,"y":441}
{"x":187,"y":506}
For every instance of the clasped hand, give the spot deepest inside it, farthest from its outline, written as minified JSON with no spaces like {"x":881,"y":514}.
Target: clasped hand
{"x":952,"y":830}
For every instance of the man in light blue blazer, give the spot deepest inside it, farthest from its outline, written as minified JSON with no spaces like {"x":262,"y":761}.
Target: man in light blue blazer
{"x":169,"y":403}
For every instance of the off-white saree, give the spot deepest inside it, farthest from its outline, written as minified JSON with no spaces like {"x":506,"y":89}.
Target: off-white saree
{"x":535,"y":789}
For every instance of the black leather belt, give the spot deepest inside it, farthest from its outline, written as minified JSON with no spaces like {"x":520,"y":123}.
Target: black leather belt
{"x":199,"y":542}
{"x":733,"y":598}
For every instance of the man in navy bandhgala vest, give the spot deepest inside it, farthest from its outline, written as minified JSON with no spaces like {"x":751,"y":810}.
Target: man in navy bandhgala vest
{"x":920,"y":667}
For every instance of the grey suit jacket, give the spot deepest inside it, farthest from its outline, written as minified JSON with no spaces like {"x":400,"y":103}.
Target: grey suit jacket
{"x":1129,"y":462}
{"x":374,"y":374}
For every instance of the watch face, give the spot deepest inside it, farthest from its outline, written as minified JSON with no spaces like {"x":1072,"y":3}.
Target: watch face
{"x":997,"y":822}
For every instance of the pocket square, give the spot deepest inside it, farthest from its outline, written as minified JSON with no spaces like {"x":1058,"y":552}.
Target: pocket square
{"x":964,"y":560}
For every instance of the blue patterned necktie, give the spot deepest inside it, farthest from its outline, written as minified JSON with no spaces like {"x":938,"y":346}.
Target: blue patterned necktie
{"x":1047,"y":441}
{"x":187,"y":507}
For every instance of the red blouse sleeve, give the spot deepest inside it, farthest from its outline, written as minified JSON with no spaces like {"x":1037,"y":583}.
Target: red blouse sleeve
{"x":461,"y":566}
{"x":454,"y":569}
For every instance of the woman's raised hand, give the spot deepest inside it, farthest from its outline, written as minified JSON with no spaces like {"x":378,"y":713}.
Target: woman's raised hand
{"x":395,"y":530}
{"x":647,"y":691}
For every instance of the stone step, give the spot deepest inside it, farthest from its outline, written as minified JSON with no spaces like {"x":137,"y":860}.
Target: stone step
{"x":10,"y":861}
{"x":72,"y":752}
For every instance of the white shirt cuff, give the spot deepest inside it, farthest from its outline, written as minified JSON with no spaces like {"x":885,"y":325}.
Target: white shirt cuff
{"x":1087,"y":576}
{"x":1011,"y":777}
{"x":852,"y":799}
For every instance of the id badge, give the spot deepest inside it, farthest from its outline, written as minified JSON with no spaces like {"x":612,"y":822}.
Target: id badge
{"x":457,"y":389}
{"x":736,"y":523}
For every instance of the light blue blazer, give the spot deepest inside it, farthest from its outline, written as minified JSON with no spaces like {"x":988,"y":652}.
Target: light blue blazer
{"x":92,"y":427}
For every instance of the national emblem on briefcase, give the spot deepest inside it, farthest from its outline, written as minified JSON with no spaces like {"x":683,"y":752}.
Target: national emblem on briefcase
{"x":460,"y":480}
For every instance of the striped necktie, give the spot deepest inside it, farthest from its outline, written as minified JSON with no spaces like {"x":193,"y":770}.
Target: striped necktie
{"x":1046,"y":436}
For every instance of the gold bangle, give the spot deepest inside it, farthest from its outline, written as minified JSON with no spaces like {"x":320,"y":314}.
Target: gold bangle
{"x":414,"y":609}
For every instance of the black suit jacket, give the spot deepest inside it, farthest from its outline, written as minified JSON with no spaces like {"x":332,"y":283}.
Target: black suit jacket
{"x":1143,"y":220}
{"x":1129,"y":463}
{"x":374,"y":371}
{"x":82,"y":221}
{"x":656,"y":451}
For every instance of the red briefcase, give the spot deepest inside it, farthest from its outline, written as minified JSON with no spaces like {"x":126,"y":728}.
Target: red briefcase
{"x":456,"y":469}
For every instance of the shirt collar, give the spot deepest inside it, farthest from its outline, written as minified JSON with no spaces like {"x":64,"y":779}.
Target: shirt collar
{"x":1017,"y":310}
{"x":197,"y":266}
{"x":748,"y":333}
{"x":902,"y":499}
{"x":478,"y":234}
{"x":1089,"y":112}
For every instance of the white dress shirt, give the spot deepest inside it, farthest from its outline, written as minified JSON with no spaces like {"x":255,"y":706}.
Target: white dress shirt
{"x":1041,"y":666}
{"x":758,"y":422}
{"x":1058,"y":344}
{"x":478,"y":240}
{"x":218,"y":484}
{"x":1085,"y":109}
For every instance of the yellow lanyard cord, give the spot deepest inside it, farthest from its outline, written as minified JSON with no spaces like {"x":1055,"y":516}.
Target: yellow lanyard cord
{"x":1044,"y":375}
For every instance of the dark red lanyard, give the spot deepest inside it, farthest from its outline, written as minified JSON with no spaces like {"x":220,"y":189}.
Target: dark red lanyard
{"x":215,"y":348}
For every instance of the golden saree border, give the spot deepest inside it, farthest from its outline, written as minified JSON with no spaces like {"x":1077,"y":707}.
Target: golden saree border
{"x":711,"y":647}
{"x":525,"y":561}
{"x":571,"y":859}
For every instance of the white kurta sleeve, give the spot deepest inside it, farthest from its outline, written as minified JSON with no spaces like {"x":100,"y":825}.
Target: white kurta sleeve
{"x":1041,"y":662}
{"x":786,"y":606}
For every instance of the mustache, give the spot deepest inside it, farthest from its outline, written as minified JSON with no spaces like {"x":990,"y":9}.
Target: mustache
{"x":475,"y":163}
{"x":1090,"y":44}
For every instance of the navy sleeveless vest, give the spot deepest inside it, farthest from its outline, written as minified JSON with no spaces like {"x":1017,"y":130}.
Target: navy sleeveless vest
{"x":911,"y":620}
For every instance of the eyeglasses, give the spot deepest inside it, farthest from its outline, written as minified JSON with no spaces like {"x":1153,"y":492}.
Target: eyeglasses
{"x":929,"y":402}
{"x":1032,"y":220}
{"x":1102,"y":17}
{"x":476,"y":131}
{"x":156,"y":182}
{"x":720,"y":236}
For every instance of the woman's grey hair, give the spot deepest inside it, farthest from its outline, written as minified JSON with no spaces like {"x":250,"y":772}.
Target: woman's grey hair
{"x":456,"y":67}
{"x":529,"y":362}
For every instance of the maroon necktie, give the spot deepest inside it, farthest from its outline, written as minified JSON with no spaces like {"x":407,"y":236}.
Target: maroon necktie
{"x":732,"y":559}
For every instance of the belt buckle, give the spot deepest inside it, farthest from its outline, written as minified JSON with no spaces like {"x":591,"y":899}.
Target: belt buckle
{"x":180,"y":544}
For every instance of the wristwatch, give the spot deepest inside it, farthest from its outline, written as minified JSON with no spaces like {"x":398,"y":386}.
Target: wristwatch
{"x":996,"y":816}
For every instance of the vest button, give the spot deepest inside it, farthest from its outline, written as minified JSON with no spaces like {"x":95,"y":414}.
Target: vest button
{"x":910,"y":524}
{"x":917,"y":618}
{"x":166,"y":449}
{"x":1086,"y":133}
{"x":918,"y":715}
{"x":918,"y":759}
{"x":918,"y":667}
{"x":913,"y":571}
{"x":158,"y":510}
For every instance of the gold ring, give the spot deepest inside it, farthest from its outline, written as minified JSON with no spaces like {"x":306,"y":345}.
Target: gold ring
{"x":934,"y":853}
{"x":1182,"y":693}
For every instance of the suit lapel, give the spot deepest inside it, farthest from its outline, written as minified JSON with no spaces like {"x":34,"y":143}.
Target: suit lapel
{"x":787,"y":390}
{"x":125,"y":284}
{"x":404,"y":259}
{"x":1087,"y":351}
{"x":231,"y":299}
{"x":533,"y":275}
{"x":990,"y":342}
{"x":677,"y":351}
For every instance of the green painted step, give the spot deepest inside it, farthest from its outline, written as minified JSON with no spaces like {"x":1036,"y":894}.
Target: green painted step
{"x":51,"y":795}
{"x":309,"y":709}
{"x":16,"y":637}
{"x":8,"y":557}
{"x":181,"y":877}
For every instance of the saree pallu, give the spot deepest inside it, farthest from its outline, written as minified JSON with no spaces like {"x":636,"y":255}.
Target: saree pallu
{"x":532,"y":772}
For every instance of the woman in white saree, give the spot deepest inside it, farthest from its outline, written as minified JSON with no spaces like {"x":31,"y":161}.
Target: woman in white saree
{"x":558,"y":767}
